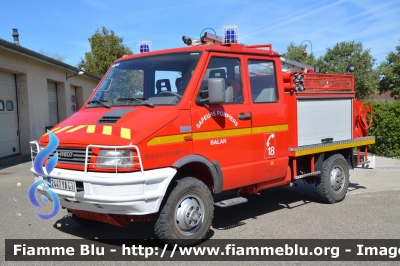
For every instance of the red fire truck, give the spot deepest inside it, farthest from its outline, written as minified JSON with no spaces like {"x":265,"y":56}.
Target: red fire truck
{"x":165,"y":131}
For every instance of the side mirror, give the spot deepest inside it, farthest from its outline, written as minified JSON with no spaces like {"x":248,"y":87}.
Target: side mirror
{"x":216,"y":90}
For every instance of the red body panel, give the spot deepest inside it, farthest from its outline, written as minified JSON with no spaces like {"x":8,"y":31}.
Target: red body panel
{"x":252,"y":153}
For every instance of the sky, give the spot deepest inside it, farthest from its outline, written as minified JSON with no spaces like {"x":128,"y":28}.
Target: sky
{"x":63,"y":27}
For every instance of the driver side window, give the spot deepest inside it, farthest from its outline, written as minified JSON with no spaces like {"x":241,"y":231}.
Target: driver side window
{"x":229,"y":70}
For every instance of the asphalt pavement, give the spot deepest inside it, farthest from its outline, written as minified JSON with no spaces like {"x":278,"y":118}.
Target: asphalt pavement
{"x":371,"y":210}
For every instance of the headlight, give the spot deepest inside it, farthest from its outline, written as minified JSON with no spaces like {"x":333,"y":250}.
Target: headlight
{"x":114,"y":158}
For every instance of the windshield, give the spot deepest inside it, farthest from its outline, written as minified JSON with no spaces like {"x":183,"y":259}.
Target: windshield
{"x":150,"y":81}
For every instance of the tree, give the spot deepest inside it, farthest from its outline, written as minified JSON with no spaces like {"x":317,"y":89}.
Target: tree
{"x":296,"y":53}
{"x":343,"y":54}
{"x":389,"y":71}
{"x":105,"y":48}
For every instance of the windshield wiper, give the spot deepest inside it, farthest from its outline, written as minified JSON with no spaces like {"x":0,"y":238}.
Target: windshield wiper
{"x":142,"y":100}
{"x":100,"y":102}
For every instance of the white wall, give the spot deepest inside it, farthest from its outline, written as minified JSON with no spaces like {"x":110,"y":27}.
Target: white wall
{"x":32,"y":77}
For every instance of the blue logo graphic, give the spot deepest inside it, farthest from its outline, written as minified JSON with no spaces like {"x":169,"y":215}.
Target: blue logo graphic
{"x":35,"y":202}
{"x":50,"y":165}
{"x":43,"y":154}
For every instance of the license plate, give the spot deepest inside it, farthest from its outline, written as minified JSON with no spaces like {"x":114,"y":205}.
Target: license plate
{"x":63,"y":184}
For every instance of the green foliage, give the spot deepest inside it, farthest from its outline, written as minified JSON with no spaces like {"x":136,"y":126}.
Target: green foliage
{"x":386,"y":121}
{"x":296,"y":53}
{"x":337,"y":59}
{"x":386,"y":129}
{"x":343,"y":54}
{"x":105,"y":48}
{"x":390,"y":74}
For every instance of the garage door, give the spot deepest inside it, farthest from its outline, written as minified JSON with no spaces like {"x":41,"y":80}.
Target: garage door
{"x":53,"y":103}
{"x":9,"y":139}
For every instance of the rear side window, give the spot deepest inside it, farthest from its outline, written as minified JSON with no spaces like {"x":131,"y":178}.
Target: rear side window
{"x":262,"y":81}
{"x":1,"y":105}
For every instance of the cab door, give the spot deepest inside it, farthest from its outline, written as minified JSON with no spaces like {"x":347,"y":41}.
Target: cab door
{"x":222,"y":132}
{"x":269,"y":120}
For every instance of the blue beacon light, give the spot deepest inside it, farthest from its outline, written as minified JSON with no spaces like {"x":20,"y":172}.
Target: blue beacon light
{"x":144,"y":48}
{"x":230,"y":36}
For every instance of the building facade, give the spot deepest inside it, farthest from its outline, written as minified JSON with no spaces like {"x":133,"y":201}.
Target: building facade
{"x":36,"y":92}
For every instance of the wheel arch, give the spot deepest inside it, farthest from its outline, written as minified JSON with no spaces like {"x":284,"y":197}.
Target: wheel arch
{"x":201,"y":168}
{"x":347,"y":153}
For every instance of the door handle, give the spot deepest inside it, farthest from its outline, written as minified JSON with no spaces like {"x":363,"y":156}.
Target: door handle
{"x":243,"y":116}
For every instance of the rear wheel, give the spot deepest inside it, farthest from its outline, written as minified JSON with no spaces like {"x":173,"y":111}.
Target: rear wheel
{"x":187,"y":214}
{"x":333,"y":183}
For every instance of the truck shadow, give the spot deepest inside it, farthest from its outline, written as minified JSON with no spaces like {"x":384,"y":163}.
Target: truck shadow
{"x":355,"y":186}
{"x":270,"y":200}
{"x":13,"y":161}
{"x":103,"y":231}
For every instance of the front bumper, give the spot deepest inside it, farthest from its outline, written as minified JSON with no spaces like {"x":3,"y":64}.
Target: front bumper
{"x":135,"y":193}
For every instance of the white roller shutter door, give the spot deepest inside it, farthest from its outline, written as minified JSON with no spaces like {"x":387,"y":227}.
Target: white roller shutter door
{"x":9,"y":137}
{"x":53,"y":103}
{"x":323,"y":118}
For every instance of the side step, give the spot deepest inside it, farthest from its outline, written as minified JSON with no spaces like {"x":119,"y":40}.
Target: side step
{"x":230,"y":202}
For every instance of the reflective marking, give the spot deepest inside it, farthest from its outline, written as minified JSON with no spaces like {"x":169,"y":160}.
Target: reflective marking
{"x":122,"y":132}
{"x":61,"y":130}
{"x":107,"y":130}
{"x":125,"y":133}
{"x":335,"y":147}
{"x":90,"y":129}
{"x":167,"y":139}
{"x":265,"y":129}
{"x":216,"y":134}
{"x":222,"y":133}
{"x":76,"y":128}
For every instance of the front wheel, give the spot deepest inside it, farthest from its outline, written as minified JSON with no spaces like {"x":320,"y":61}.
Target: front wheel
{"x":187,"y":214}
{"x":334,"y":181}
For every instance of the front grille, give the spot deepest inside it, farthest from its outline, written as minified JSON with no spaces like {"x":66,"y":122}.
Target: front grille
{"x":72,"y":155}
{"x":108,"y":120}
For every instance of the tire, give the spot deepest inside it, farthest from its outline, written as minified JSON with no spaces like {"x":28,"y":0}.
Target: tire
{"x":186,"y":216}
{"x":334,"y":181}
{"x":82,"y":221}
